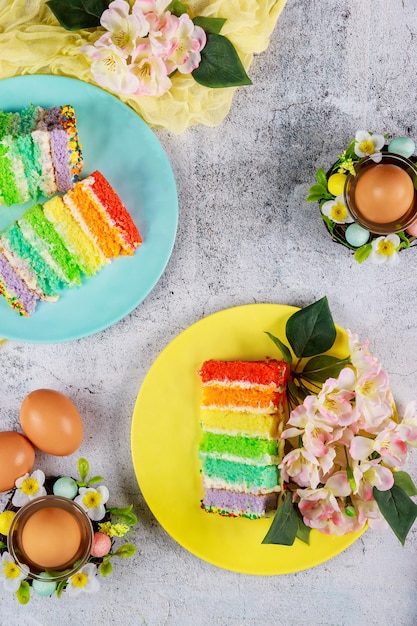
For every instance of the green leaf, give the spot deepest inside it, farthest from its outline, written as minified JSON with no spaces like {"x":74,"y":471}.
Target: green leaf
{"x":314,"y":197}
{"x":311,"y":330}
{"x":284,"y":527}
{"x":318,"y":189}
{"x":321,"y":177}
{"x":23,"y":593}
{"x":211,"y":25}
{"x":125,"y":551}
{"x":220,"y":65}
{"x":362,"y":253}
{"x":3,"y":545}
{"x":94,"y":480}
{"x":78,"y":14}
{"x":60,"y":588}
{"x":320,"y":368}
{"x":303,"y":531}
{"x":126,"y":515}
{"x":350,"y":150}
{"x":286,"y":354}
{"x":177,"y":8}
{"x":105,"y":568}
{"x":296,"y":391}
{"x":83,"y":468}
{"x":398,"y":509}
{"x":404,"y":480}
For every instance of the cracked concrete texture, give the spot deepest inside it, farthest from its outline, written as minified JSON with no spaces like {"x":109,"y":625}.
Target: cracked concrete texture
{"x":247,"y":235}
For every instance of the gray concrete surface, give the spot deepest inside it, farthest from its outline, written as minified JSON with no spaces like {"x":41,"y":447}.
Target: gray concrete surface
{"x":246,"y":235}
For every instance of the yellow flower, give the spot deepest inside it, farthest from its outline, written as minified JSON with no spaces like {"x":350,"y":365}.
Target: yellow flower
{"x":336,"y":210}
{"x":29,"y":487}
{"x":385,"y":250}
{"x":114,"y":530}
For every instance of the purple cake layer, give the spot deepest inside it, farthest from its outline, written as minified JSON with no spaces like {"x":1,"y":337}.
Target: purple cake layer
{"x":234,"y":503}
{"x":15,"y":290}
{"x":59,"y":147}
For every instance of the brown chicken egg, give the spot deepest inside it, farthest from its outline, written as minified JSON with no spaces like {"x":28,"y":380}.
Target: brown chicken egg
{"x":384,"y":193}
{"x":17,"y":456}
{"x":52,"y":422}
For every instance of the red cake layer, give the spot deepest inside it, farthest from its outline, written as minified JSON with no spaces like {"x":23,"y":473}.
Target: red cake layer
{"x":117,"y":213}
{"x":254,"y":372}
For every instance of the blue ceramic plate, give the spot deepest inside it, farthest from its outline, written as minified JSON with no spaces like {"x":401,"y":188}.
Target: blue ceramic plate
{"x":118,"y":143}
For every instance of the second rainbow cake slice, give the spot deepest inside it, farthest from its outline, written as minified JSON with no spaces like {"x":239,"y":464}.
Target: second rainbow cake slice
{"x":54,"y":245}
{"x":243,"y":411}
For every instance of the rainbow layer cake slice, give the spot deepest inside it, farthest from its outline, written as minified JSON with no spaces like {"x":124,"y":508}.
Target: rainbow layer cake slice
{"x":58,"y":244}
{"x":40,"y":153}
{"x":243,"y":411}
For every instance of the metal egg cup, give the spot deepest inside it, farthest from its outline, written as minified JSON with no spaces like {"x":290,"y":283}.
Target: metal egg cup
{"x":387,"y":228}
{"x":16,"y":550}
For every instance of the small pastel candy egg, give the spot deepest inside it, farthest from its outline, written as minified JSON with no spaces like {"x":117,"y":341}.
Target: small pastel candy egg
{"x":45,"y":587}
{"x":66,"y":487}
{"x":403,"y":146}
{"x":6,"y":519}
{"x":101,"y":545}
{"x":336,"y":184}
{"x":412,"y":230}
{"x":356,"y":235}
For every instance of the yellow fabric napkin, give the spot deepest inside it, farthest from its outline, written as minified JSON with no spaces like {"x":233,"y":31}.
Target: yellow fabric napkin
{"x":33,"y":42}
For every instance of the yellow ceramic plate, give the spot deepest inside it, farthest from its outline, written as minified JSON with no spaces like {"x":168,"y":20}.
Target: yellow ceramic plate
{"x":165,"y":438}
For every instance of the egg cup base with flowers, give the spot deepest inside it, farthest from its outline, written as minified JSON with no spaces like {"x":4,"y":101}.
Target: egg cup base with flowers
{"x":330,"y":192}
{"x":108,"y":524}
{"x":345,"y":445}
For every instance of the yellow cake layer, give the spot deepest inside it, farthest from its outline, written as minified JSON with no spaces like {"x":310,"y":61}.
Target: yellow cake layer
{"x":101,"y":231}
{"x":88,"y":256}
{"x":268,"y":426}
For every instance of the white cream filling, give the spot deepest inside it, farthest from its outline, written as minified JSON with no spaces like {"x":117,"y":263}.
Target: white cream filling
{"x":265,"y":459}
{"x":243,"y":384}
{"x":271,"y":409}
{"x":48,"y":183}
{"x":219,"y":483}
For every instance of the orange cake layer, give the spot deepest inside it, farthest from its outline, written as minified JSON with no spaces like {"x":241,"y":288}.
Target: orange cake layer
{"x":100,"y":230}
{"x":256,"y":397}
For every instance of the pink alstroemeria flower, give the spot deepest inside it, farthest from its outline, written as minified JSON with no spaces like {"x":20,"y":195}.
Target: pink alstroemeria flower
{"x":373,"y":399}
{"x":124,"y":27}
{"x":369,"y":475}
{"x":323,"y":508}
{"x":387,"y":443}
{"x":110,"y":69}
{"x":302,"y":467}
{"x":334,"y":399}
{"x":393,"y":450}
{"x":189,"y":41}
{"x":360,"y":356}
{"x":151,"y":6}
{"x":367,"y":511}
{"x":407,"y":428}
{"x":150,"y":72}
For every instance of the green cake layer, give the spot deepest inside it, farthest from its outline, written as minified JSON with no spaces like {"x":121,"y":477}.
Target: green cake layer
{"x":240,"y":476}
{"x":252,"y":448}
{"x":42,"y":236}
{"x":48,"y":280}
